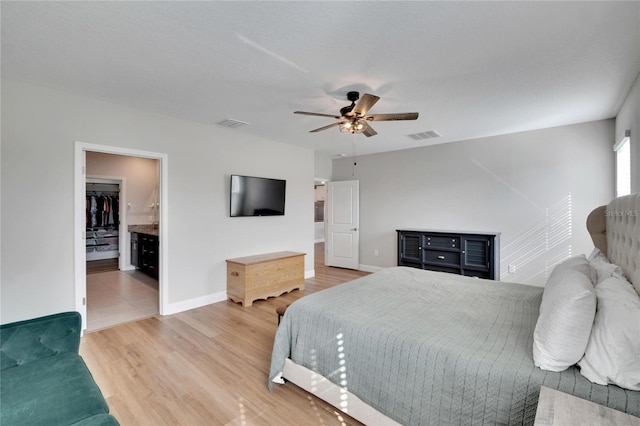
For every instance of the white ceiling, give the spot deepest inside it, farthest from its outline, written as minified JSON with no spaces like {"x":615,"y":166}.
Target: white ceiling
{"x":471,"y":69}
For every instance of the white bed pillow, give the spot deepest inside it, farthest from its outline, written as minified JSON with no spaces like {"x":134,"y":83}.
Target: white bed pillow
{"x":596,"y":252}
{"x":581,"y":264}
{"x":567,"y":311}
{"x":613,"y":352}
{"x":603,"y":267}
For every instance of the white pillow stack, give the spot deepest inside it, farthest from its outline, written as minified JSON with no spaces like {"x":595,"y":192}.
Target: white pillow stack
{"x":613,"y":352}
{"x":597,"y":328}
{"x":601,"y":265}
{"x":567,"y":311}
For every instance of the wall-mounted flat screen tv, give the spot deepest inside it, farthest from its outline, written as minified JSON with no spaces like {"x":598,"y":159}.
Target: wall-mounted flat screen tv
{"x":257,"y":196}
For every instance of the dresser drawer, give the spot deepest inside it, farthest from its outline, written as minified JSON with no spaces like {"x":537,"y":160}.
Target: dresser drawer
{"x":442,"y":257}
{"x":440,"y":241}
{"x":442,"y":268}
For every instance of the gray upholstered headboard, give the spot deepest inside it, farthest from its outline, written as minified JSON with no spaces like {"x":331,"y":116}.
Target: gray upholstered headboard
{"x":619,"y":238}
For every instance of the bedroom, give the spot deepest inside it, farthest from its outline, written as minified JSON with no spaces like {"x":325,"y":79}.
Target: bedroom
{"x":43,"y":116}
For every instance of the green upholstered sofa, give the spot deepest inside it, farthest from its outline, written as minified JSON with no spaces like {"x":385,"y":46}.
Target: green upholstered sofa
{"x":43,"y":379}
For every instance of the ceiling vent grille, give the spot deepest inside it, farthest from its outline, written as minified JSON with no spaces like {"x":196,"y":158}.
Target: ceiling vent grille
{"x":424,"y":135}
{"x":231,"y":123}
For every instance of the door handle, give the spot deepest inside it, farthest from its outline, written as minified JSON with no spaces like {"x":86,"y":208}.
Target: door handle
{"x":354,"y":229}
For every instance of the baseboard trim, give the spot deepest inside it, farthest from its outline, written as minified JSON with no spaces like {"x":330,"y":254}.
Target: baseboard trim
{"x":197,"y":302}
{"x":370,"y":268}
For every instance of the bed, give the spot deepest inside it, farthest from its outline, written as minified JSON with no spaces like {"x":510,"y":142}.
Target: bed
{"x":412,"y":347}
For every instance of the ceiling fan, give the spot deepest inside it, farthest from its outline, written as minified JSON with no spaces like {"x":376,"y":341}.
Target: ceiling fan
{"x":354,"y":119}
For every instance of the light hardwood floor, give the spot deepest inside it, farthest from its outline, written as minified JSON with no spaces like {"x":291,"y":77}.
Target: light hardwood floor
{"x":207,"y":366}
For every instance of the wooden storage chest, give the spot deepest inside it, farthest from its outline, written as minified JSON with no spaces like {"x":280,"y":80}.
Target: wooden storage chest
{"x":264,"y":275}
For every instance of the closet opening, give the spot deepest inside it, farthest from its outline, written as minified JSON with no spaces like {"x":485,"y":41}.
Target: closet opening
{"x":102,"y":199}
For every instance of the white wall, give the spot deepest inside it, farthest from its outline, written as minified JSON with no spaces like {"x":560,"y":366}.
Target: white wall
{"x":628,"y":118}
{"x":536,"y":188}
{"x":142,"y":179}
{"x":39,"y":130}
{"x":323,"y":164}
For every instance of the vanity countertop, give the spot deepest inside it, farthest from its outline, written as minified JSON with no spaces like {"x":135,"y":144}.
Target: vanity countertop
{"x":144,"y":229}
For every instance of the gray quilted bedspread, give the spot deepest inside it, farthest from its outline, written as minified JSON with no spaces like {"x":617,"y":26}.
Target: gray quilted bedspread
{"x":428,"y":348}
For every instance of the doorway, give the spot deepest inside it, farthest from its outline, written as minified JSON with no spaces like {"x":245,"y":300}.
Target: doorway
{"x":116,"y":291}
{"x":320,"y":195}
{"x":103,"y":298}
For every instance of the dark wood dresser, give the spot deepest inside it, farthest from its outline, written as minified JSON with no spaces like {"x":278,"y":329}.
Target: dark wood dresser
{"x":474,"y":254}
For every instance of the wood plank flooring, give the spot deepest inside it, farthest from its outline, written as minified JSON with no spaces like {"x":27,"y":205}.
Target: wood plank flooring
{"x":104,"y":265}
{"x":207,"y":366}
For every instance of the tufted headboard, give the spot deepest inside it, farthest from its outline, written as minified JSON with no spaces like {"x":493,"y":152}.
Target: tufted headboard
{"x":615,"y":230}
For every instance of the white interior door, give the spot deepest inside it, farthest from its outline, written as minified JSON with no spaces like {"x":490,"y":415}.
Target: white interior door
{"x":342,"y":239}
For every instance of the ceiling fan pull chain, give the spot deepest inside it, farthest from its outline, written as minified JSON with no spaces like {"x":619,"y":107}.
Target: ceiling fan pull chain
{"x":355,"y":157}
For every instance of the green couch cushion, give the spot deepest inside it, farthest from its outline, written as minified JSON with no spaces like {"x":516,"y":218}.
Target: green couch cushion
{"x":24,"y":341}
{"x":56,"y":390}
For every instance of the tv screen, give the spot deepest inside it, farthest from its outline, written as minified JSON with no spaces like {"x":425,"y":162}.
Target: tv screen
{"x":256,"y":196}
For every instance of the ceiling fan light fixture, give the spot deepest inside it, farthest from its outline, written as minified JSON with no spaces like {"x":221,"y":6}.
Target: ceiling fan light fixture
{"x":354,"y":119}
{"x":354,"y":126}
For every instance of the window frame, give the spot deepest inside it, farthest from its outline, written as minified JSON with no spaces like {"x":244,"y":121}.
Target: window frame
{"x":623,"y":147}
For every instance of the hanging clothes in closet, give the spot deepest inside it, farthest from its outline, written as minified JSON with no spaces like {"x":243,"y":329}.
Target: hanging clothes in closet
{"x":102,"y":205}
{"x":102,"y":210}
{"x":102,"y":221}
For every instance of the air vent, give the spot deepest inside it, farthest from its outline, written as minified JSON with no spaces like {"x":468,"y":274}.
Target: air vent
{"x":231,"y":123}
{"x":424,"y":135}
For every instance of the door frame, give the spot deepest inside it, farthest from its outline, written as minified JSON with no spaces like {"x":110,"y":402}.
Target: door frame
{"x":329,"y":258}
{"x":80,"y":255}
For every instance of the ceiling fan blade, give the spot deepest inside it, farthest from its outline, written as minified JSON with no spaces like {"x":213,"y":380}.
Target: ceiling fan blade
{"x":368,"y":132}
{"x":393,"y":117}
{"x":317,"y":114}
{"x":365,"y":102}
{"x":326,"y":127}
